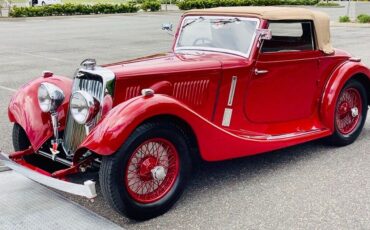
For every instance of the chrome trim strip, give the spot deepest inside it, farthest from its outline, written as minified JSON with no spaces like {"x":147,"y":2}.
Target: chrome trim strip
{"x":210,"y":49}
{"x":226,"y":120}
{"x":86,"y":190}
{"x":232,"y":90}
{"x":355,"y":59}
{"x":284,"y":136}
{"x":57,"y":159}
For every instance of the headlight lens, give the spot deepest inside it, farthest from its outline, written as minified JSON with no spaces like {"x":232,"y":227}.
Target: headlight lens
{"x":84,"y":107}
{"x":50,"y":97}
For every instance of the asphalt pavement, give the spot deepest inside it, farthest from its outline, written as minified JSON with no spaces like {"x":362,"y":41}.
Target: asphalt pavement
{"x":310,"y":186}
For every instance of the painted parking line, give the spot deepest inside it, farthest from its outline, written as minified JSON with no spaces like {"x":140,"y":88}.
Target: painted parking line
{"x":8,"y":89}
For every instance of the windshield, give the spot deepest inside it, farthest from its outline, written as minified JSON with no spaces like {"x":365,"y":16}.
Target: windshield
{"x":215,"y":33}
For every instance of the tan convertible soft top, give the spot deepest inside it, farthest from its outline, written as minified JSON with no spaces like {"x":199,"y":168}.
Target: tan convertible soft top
{"x":321,"y":20}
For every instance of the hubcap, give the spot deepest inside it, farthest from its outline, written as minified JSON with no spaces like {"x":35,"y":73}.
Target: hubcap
{"x":349,"y":109}
{"x":158,"y":173}
{"x":354,"y":112}
{"x":152,"y":170}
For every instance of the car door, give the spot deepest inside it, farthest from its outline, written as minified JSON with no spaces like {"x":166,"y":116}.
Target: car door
{"x":284,"y":82}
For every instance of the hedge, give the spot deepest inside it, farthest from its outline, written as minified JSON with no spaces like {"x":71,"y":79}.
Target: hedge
{"x":344,"y":19}
{"x":151,"y":5}
{"x":363,"y":18}
{"x":200,"y":4}
{"x":72,"y":9}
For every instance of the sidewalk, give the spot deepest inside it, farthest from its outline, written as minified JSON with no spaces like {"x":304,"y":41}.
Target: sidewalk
{"x":25,"y":204}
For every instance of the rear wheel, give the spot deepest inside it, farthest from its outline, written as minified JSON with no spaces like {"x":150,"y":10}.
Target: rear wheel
{"x":350,"y":114}
{"x":148,"y":174}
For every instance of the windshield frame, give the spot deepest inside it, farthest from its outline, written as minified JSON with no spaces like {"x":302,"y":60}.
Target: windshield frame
{"x":212,"y":49}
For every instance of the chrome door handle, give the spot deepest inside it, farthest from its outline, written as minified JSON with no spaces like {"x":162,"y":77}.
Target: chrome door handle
{"x":258,"y":72}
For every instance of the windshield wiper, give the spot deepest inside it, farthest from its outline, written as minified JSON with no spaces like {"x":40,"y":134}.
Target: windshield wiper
{"x":191,"y":22}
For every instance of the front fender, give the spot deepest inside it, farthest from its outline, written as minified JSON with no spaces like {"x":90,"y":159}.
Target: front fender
{"x":24,"y":110}
{"x":334,"y":86}
{"x":120,"y":122}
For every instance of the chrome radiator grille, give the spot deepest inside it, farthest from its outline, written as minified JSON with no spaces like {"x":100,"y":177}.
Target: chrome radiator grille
{"x":75,"y":133}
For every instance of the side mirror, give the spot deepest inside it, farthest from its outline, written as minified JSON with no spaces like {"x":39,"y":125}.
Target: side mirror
{"x":264,"y":34}
{"x":167,"y":26}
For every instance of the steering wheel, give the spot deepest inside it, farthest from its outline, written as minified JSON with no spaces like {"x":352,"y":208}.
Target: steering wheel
{"x":203,"y":41}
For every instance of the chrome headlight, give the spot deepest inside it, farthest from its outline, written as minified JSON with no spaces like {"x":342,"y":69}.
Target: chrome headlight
{"x":83,"y":107}
{"x":50,"y":97}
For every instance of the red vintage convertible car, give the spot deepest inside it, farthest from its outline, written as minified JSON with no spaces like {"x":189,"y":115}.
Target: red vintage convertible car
{"x":239,"y":81}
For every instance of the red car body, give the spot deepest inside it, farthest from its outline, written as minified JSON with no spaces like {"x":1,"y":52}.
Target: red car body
{"x":294,"y":102}
{"x":301,"y":115}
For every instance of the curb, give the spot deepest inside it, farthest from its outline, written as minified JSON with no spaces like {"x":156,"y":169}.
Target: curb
{"x":329,"y":7}
{"x":349,"y":24}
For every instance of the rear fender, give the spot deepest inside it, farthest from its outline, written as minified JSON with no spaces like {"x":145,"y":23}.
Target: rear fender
{"x":334,"y":86}
{"x":24,"y":110}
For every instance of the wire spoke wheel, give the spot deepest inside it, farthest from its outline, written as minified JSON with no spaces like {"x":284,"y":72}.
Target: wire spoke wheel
{"x":349,"y":111}
{"x":152,"y":170}
{"x":149,"y":172}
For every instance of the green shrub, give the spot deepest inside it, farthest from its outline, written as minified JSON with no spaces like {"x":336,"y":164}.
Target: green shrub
{"x":152,"y":5}
{"x":344,"y":19}
{"x":327,"y":4}
{"x":363,"y":18}
{"x":200,"y":4}
{"x":72,"y":9}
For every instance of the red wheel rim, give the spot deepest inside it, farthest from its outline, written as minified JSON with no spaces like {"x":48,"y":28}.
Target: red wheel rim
{"x":152,"y":170}
{"x":349,"y":111}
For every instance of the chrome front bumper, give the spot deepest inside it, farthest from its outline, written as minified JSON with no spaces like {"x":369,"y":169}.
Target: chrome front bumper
{"x":86,"y":190}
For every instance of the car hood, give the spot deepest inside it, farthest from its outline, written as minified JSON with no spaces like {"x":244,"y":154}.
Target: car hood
{"x":167,"y":63}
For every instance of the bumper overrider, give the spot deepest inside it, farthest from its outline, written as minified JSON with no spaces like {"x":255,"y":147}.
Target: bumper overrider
{"x":86,"y":190}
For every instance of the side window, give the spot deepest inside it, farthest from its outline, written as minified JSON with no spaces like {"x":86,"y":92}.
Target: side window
{"x":289,"y":36}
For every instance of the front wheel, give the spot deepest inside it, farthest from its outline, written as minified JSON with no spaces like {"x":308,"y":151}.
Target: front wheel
{"x":350,"y":114}
{"x":148,"y":174}
{"x":20,"y":139}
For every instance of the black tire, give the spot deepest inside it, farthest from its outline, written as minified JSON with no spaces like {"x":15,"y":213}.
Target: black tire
{"x":113,"y":171}
{"x":340,"y":139}
{"x":20,"y":139}
{"x":43,"y":3}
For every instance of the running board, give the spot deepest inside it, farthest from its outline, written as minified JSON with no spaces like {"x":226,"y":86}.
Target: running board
{"x":285,"y":135}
